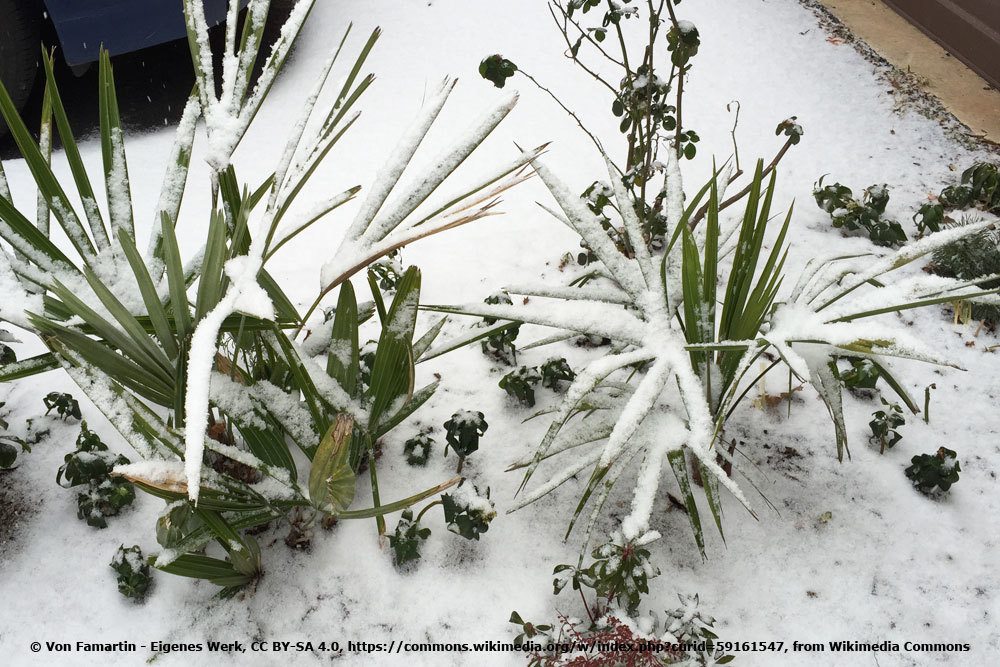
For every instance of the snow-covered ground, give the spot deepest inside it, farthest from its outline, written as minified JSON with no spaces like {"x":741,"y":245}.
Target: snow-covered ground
{"x":885,"y":564}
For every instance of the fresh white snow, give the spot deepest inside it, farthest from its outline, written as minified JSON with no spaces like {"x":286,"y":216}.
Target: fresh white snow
{"x":887,"y":564}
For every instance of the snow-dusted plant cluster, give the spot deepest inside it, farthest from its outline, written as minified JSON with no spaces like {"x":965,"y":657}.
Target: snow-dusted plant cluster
{"x":696,"y":320}
{"x":867,"y":215}
{"x":242,"y":410}
{"x":979,"y":187}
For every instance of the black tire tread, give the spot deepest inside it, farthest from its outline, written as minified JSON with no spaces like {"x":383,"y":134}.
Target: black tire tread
{"x":20,"y":39}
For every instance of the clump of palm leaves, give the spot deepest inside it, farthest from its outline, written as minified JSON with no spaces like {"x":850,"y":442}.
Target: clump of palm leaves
{"x":201,"y":364}
{"x":972,"y":257}
{"x":689,"y":328}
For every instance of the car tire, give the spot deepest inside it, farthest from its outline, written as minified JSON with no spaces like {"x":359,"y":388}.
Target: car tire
{"x":20,"y":40}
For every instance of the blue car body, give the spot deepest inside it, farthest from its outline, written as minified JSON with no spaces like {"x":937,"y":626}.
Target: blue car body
{"x":121,"y":26}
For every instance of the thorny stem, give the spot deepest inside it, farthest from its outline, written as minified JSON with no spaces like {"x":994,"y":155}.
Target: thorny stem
{"x":586,"y":607}
{"x":680,"y":101}
{"x":597,"y":77}
{"x":583,"y":33}
{"x":564,"y":108}
{"x":461,"y":462}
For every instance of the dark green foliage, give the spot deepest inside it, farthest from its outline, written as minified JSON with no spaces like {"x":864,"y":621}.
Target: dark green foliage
{"x":497,"y":69}
{"x":387,"y":272}
{"x":405,"y":542}
{"x":9,"y":445}
{"x":865,"y":215}
{"x":528,"y":630}
{"x":133,"y":573}
{"x":884,"y":425}
{"x":555,"y":372}
{"x":64,"y":404}
{"x":520,"y":384}
{"x":939,"y":470}
{"x":690,"y":625}
{"x":956,"y":196}
{"x":683,"y":44}
{"x":466,"y":512}
{"x":7,"y":354}
{"x":599,"y":197}
{"x":8,"y":454}
{"x":620,"y":573}
{"x":979,"y":188}
{"x":463,"y":432}
{"x":178,"y":520}
{"x":791,"y":129}
{"x":499,"y":345}
{"x":418,"y":448}
{"x":90,"y":466}
{"x":862,"y":376}
{"x":929,"y":218}
{"x":983,"y":181}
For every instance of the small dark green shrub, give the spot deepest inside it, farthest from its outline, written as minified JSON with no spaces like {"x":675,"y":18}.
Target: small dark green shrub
{"x":463,"y":431}
{"x":418,"y":448}
{"x":133,"y":573}
{"x":929,"y":471}
{"x":499,"y":345}
{"x":620,"y":573}
{"x":520,"y":384}
{"x":884,"y":425}
{"x":64,"y":404}
{"x":10,"y":445}
{"x":862,"y":376}
{"x":405,"y":542}
{"x":466,"y":512}
{"x":979,"y":188}
{"x":90,"y":466}
{"x":555,"y":372}
{"x":866,"y":215}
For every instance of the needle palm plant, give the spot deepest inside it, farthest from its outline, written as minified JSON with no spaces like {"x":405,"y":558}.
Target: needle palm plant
{"x":200,"y":364}
{"x":689,"y":325}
